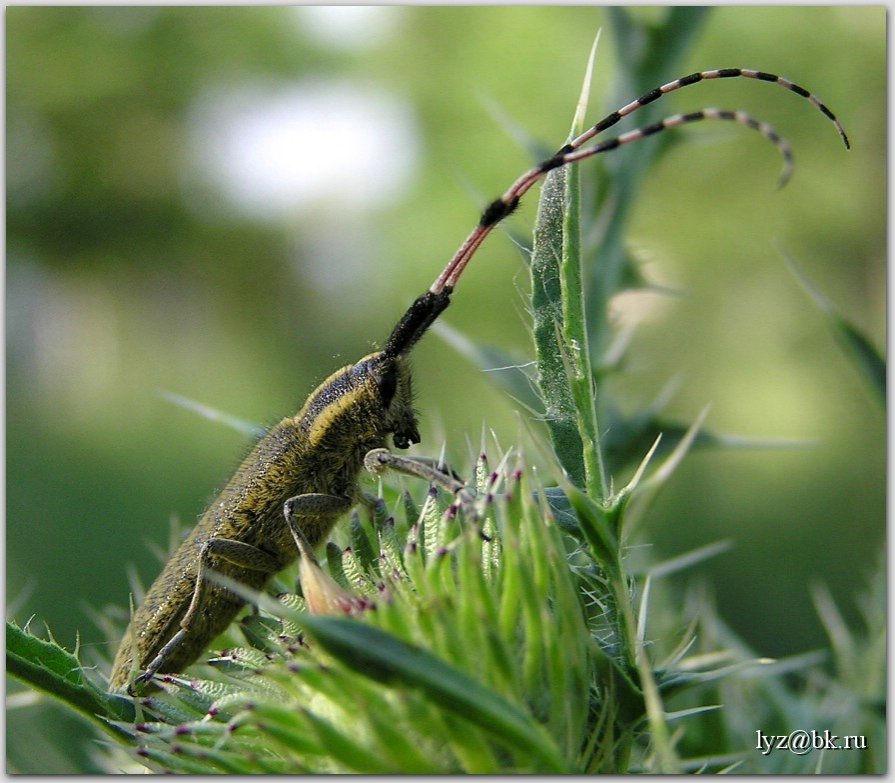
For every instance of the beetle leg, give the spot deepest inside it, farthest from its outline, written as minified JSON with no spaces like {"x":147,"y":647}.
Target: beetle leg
{"x":378,"y":460}
{"x":235,"y":552}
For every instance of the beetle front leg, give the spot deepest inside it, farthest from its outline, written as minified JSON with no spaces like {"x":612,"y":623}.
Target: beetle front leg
{"x":379,"y":460}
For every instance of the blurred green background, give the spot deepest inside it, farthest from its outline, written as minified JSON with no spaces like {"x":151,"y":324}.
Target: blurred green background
{"x":229,"y":203}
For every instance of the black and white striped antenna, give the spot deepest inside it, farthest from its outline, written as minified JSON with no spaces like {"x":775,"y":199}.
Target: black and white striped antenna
{"x":426,"y":308}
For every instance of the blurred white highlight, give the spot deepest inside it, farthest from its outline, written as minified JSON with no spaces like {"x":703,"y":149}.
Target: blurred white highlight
{"x":275,"y":151}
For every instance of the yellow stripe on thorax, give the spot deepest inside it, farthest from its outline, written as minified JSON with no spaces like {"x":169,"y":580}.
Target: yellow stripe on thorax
{"x":331,"y":412}
{"x":324,"y":419}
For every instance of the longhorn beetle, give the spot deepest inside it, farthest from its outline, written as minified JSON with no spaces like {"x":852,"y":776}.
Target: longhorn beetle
{"x":303,"y":474}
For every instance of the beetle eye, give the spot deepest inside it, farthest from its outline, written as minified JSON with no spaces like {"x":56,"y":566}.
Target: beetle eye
{"x":388,"y":384}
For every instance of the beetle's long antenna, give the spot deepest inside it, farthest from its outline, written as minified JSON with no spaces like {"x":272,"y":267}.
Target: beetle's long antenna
{"x":414,"y":323}
{"x":700,"y":76}
{"x":573,"y":152}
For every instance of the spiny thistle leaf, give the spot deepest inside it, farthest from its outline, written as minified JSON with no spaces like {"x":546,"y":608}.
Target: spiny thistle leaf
{"x":46,"y":666}
{"x":548,"y":323}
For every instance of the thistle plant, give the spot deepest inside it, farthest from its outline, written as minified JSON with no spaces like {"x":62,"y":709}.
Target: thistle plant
{"x":511,"y":634}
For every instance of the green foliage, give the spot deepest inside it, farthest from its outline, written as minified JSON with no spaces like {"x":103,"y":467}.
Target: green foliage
{"x":501,"y":644}
{"x":456,"y":669}
{"x":47,"y":666}
{"x":856,"y":345}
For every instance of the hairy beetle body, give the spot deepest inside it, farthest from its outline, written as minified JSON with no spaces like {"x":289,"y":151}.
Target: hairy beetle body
{"x":319,"y":451}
